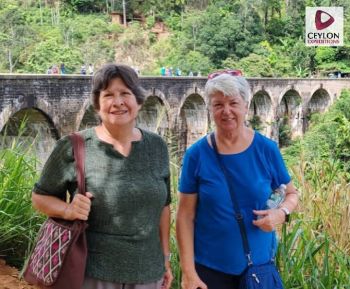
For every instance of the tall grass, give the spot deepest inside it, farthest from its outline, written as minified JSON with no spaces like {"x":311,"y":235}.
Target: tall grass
{"x":175,"y":261}
{"x":315,"y":250}
{"x":18,"y":221}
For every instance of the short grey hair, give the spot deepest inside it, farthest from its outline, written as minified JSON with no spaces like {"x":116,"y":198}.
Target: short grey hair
{"x":228,"y":85}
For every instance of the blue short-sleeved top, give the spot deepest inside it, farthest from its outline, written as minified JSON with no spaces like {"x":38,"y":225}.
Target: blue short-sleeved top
{"x":255,"y":173}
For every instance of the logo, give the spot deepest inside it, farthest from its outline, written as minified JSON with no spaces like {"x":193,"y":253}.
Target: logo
{"x":318,"y":20}
{"x":324,"y":26}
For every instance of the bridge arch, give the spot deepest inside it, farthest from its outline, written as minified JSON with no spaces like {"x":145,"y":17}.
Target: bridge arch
{"x":40,"y":105}
{"x":23,"y":101}
{"x":39,"y":130}
{"x":319,"y":102}
{"x":195,"y":90}
{"x":36,"y":119}
{"x":289,"y":116}
{"x":160,"y":95}
{"x":192,"y":120}
{"x":260,"y":114}
{"x":86,"y":116}
{"x":90,"y":118}
{"x":154,"y":115}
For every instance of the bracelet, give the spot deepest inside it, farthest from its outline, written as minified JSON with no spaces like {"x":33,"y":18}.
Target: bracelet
{"x":286,"y":212}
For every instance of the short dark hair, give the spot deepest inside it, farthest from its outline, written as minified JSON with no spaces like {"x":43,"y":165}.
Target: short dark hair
{"x":108,"y":72}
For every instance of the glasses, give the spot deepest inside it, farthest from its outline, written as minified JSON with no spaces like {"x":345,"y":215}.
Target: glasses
{"x":233,"y":72}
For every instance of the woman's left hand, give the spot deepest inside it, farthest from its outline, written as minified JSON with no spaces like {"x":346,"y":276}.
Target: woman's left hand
{"x":167,"y":278}
{"x":269,"y":219}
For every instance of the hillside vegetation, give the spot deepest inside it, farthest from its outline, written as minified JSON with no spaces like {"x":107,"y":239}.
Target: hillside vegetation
{"x":263,"y":38}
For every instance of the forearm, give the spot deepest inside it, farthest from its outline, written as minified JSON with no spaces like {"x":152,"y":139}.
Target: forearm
{"x":291,"y":199}
{"x":49,"y":205}
{"x":185,"y":240}
{"x":164,"y":233}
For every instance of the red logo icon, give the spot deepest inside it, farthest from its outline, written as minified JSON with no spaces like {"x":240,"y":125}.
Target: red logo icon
{"x":322,"y":25}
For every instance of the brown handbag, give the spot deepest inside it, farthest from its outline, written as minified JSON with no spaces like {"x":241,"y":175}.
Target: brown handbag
{"x":59,"y":256}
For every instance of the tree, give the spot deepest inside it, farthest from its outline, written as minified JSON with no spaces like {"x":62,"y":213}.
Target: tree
{"x":50,"y":52}
{"x":255,"y":66}
{"x":221,"y":32}
{"x":15,"y":36}
{"x":196,"y":62}
{"x":85,"y":6}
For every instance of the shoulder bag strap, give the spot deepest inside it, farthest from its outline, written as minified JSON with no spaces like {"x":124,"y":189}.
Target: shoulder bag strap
{"x":237,"y":211}
{"x":79,"y":157}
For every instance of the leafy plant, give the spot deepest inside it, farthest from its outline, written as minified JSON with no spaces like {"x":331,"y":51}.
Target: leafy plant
{"x":256,"y":123}
{"x":18,"y":220}
{"x":284,"y":132}
{"x":314,"y":250}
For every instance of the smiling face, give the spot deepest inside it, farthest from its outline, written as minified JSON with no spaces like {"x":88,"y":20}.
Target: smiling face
{"x":228,"y":112}
{"x":117,"y":104}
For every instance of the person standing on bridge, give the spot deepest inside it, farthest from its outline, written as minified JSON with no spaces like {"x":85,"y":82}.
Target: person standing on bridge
{"x":208,"y":231}
{"x":127,"y":206}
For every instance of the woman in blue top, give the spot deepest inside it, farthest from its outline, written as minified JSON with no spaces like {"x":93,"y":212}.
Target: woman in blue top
{"x":210,"y":245}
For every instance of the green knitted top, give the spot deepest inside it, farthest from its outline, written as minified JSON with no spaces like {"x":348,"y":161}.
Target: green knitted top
{"x":129,"y":195}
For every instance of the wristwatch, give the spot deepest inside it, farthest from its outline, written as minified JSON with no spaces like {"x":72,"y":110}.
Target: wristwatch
{"x":287,"y":213}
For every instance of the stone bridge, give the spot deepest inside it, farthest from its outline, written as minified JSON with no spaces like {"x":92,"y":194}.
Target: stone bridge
{"x":55,"y":105}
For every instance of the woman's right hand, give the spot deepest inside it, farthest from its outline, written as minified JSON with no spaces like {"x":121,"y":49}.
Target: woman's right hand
{"x":192,"y":281}
{"x":79,"y":208}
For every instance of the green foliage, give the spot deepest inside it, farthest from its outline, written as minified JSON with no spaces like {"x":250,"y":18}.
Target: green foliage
{"x":314,"y":252}
{"x":15,"y":36}
{"x":84,"y":6}
{"x":256,"y":123}
{"x":253,"y":65}
{"x":171,"y":54}
{"x":18,"y":221}
{"x":193,"y":61}
{"x":325,"y":54}
{"x":50,"y":52}
{"x":263,"y":38}
{"x":284,"y":132}
{"x":223,"y":33}
{"x":36,"y":38}
{"x":328,"y":135}
{"x":309,"y":259}
{"x":332,"y":59}
{"x":342,"y":141}
{"x":276,"y":29}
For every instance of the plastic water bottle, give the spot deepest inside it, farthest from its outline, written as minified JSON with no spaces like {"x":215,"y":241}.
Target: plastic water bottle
{"x":277,"y":197}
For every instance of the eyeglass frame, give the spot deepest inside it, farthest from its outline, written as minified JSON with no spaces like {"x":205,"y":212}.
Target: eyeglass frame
{"x":232,"y":72}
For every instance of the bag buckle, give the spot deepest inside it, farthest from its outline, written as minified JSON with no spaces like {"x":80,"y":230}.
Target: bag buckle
{"x":249,"y":257}
{"x":256,"y":278}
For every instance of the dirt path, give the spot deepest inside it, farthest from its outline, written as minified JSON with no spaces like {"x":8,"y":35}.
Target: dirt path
{"x":9,"y":278}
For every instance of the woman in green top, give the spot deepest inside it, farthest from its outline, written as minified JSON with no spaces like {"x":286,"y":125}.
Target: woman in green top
{"x":128,"y":185}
